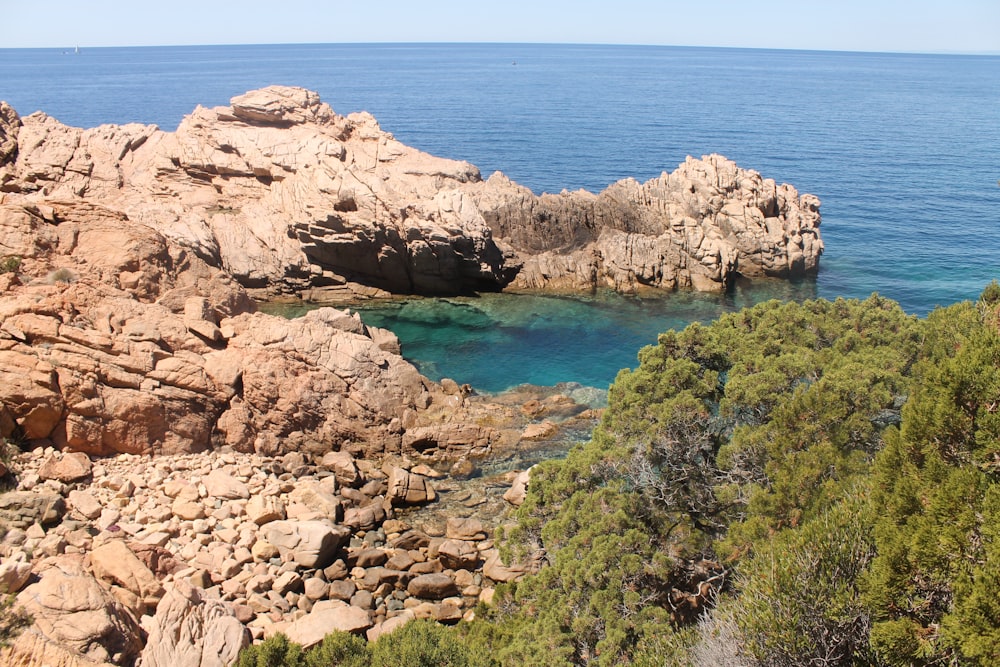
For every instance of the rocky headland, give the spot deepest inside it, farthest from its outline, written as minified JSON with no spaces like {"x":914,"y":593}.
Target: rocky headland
{"x":192,"y":473}
{"x":289,"y":198}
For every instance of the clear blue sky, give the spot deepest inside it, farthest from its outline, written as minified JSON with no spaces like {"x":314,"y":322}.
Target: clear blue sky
{"x":962,"y":26}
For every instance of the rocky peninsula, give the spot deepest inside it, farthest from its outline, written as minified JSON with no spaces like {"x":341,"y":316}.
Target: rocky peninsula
{"x":194,"y":472}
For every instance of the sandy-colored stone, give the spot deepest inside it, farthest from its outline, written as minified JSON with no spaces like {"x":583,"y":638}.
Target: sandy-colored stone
{"x":469,"y":529}
{"x":458,"y":554}
{"x":435,"y":586}
{"x":71,"y":609}
{"x":115,"y":563}
{"x":85,"y":503}
{"x":264,"y":509}
{"x":332,"y":615}
{"x":14,"y":574}
{"x":69,"y":467}
{"x":311,"y":544}
{"x":407,"y":488}
{"x":518,"y":491}
{"x":189,"y":630}
{"x":220,"y":484}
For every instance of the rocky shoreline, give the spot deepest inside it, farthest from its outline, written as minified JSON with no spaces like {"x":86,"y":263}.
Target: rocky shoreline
{"x":192,"y":473}
{"x":159,"y":558}
{"x":288,"y":197}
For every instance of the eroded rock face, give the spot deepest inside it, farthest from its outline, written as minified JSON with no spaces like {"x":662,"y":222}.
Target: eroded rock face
{"x":697,"y":228}
{"x":114,"y":340}
{"x":189,"y":630}
{"x":289,"y":197}
{"x":278,"y":190}
{"x":71,"y":609}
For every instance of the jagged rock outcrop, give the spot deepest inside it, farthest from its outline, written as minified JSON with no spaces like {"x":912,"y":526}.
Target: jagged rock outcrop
{"x":288,"y":197}
{"x":72,"y":610}
{"x":697,"y":227}
{"x":114,"y":339}
{"x":277,"y":190}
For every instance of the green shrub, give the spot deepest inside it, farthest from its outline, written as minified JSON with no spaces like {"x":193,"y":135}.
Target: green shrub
{"x":420,"y":643}
{"x":423,"y":643}
{"x":276,"y":651}
{"x":339,"y":649}
{"x":10,"y":264}
{"x":12,"y":621}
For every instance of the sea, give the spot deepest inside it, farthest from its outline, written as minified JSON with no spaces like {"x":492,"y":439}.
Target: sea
{"x":902,"y":149}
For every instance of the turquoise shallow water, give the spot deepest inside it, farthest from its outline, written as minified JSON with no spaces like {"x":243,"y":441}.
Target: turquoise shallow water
{"x":902,"y":149}
{"x":497,"y":341}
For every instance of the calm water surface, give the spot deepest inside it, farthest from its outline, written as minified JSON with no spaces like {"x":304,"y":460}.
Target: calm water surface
{"x":903,"y":150}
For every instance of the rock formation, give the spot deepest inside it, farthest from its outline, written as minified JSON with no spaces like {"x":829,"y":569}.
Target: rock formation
{"x":698,"y":227}
{"x":142,"y":581}
{"x":114,"y":340}
{"x":288,"y":197}
{"x":128,"y":261}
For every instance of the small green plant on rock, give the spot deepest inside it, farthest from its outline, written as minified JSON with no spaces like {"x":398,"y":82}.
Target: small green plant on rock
{"x":12,"y":621}
{"x":10,"y":264}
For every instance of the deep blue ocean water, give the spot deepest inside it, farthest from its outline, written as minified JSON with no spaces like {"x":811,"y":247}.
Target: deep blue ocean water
{"x":903,"y":151}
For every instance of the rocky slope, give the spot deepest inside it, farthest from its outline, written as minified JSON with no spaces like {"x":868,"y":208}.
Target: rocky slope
{"x":114,"y":340}
{"x":290,"y":198}
{"x":180,"y":561}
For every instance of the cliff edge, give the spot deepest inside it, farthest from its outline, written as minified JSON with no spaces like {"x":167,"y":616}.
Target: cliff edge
{"x":290,"y":198}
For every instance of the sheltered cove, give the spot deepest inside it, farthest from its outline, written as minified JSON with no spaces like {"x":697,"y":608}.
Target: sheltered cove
{"x":130,"y":329}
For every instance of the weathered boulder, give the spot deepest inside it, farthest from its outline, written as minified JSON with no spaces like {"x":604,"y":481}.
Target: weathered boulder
{"x":389,"y":625}
{"x":68,"y":467}
{"x":14,"y":574}
{"x":318,"y":499}
{"x":458,"y":555}
{"x":221,"y":484}
{"x":85,"y":503}
{"x":32,"y":649}
{"x":189,"y":630}
{"x":324,"y":618}
{"x":470,"y":529}
{"x":406,"y":488}
{"x":364,"y":518}
{"x":344,"y":467}
{"x":495,"y":569}
{"x":518,"y":491}
{"x":20,"y":509}
{"x":71,"y":609}
{"x":433,"y":586}
{"x":115,"y":563}
{"x":311,"y":544}
{"x":264,"y":509}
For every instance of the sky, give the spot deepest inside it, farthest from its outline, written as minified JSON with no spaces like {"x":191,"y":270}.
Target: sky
{"x":924,"y":26}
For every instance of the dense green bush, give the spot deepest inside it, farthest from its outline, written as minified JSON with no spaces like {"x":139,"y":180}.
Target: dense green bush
{"x":10,"y":264}
{"x":724,"y":438}
{"x":420,"y":643}
{"x":794,"y":484}
{"x":933,"y":587}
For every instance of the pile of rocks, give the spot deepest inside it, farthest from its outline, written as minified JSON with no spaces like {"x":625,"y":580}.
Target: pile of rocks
{"x":159,"y":558}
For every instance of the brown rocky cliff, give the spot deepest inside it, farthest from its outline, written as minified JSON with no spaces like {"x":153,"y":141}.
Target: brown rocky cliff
{"x":114,"y":339}
{"x":289,"y":197}
{"x":697,"y":227}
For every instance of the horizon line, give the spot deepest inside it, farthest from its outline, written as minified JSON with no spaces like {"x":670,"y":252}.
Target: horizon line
{"x":497,"y":43}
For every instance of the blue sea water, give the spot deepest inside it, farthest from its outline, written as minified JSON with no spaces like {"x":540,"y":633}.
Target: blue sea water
{"x":902,"y":149}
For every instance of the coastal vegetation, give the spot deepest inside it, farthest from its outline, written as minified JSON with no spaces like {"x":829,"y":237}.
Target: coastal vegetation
{"x":792,"y":484}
